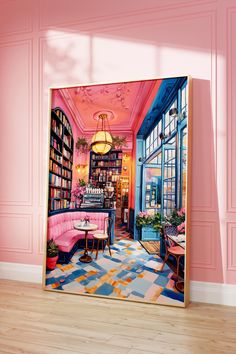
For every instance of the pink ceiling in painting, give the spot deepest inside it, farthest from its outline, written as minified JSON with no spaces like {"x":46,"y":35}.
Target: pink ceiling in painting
{"x":126,"y":100}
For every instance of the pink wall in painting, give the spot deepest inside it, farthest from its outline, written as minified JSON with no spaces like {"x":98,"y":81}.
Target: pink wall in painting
{"x":58,"y":100}
{"x":55,"y":43}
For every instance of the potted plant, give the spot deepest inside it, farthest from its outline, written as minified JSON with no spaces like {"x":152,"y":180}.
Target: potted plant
{"x":118,"y":142}
{"x":149,"y":225}
{"x":82,"y":144}
{"x":52,"y":254}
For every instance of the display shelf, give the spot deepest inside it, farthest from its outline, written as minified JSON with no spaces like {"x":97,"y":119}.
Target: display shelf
{"x":106,"y":168}
{"x":60,"y":161}
{"x":122,"y":197}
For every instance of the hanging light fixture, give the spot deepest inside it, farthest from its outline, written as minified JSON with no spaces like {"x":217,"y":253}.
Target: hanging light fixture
{"x":174,"y":113}
{"x":102,"y":139}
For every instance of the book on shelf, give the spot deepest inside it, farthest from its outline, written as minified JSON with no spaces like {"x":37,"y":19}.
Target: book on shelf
{"x":113,"y":155}
{"x":54,"y":167}
{"x":65,"y":194}
{"x":54,"y":180}
{"x":59,"y":204}
{"x":67,"y":164}
{"x":60,"y":162}
{"x":56,"y":127}
{"x":55,"y":144}
{"x":66,"y":173}
{"x":67,"y":140}
{"x":66,"y":183}
{"x":66,"y":124}
{"x":55,"y":156}
{"x":66,"y":153}
{"x":55,"y":193}
{"x":116,"y":163}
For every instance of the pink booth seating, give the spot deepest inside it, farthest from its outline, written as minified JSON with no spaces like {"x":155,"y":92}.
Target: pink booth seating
{"x":61,"y":230}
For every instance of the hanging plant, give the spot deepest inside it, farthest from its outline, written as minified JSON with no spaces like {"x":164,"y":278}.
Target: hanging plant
{"x":82,"y":144}
{"x":119,"y":142}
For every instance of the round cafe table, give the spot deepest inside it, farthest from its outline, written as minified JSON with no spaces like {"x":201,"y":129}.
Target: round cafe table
{"x":85,"y":258}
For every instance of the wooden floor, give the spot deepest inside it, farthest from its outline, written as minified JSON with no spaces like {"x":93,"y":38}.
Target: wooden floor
{"x":36,"y":321}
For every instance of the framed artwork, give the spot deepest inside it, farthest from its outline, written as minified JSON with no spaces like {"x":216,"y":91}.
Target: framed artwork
{"x":118,"y":194}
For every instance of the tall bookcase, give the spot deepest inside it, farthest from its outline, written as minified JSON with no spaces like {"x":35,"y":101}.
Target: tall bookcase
{"x":60,"y":161}
{"x":106,"y":168}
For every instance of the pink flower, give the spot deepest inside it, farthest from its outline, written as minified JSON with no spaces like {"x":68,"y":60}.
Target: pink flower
{"x":181,"y":228}
{"x":86,"y":218}
{"x":142,"y":214}
{"x":181,"y":212}
{"x":79,"y":191}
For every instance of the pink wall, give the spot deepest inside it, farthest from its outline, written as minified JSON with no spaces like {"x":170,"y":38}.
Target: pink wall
{"x":46,"y":43}
{"x":59,"y":100}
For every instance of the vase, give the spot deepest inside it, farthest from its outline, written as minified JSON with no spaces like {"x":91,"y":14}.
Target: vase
{"x":51,"y":262}
{"x":78,"y":202}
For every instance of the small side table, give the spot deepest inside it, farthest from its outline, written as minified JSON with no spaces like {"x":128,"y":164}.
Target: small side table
{"x":85,"y":258}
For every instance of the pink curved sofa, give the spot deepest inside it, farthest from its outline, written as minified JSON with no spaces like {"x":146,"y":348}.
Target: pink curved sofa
{"x":61,"y":230}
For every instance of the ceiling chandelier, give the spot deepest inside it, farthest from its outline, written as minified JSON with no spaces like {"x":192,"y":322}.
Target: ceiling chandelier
{"x":102,"y":139}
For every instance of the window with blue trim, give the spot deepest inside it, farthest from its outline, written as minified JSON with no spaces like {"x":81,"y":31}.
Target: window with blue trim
{"x":170,"y":152}
{"x":184,"y":100}
{"x":170,"y":122}
{"x":169,"y":176}
{"x":153,"y":140}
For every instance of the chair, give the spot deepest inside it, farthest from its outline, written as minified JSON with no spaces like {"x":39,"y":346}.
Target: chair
{"x":171,"y":248}
{"x":103,"y":236}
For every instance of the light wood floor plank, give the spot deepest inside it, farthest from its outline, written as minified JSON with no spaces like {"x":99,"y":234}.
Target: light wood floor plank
{"x":37,"y":322}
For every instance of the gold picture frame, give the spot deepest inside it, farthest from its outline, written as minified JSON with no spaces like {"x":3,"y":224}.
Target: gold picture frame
{"x":160,"y":285}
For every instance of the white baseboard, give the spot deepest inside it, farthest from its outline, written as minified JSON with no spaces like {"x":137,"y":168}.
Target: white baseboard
{"x":22,"y":272}
{"x":212,"y":293}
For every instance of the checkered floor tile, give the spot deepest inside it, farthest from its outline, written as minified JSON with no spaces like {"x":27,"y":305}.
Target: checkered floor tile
{"x":130,"y":273}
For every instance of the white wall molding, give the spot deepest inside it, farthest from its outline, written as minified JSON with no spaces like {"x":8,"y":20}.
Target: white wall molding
{"x":212,"y":293}
{"x":21,"y":272}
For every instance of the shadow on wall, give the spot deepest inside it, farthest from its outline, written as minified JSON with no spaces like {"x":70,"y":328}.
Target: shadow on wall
{"x":206,"y":249}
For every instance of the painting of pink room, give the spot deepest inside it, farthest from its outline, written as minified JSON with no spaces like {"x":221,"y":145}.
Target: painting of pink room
{"x":119,"y":190}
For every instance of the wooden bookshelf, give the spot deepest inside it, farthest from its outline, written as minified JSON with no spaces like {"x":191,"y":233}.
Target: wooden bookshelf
{"x":106,"y":168}
{"x":60,"y":161}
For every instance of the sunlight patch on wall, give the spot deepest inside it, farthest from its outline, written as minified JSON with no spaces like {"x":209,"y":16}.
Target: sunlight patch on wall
{"x":73,"y":58}
{"x":117,"y":60}
{"x":181,"y":61}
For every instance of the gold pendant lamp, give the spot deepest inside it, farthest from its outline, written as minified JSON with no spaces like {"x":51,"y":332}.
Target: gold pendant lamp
{"x":102,"y":139}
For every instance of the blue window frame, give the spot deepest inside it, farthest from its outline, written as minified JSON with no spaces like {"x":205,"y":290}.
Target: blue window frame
{"x":153,"y":141}
{"x":170,"y":123}
{"x":169,"y":176}
{"x":168,"y":155}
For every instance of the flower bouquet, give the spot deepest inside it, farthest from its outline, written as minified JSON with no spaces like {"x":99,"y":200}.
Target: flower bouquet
{"x":86,"y":219}
{"x":149,"y":225}
{"x":79,"y":191}
{"x":143,"y":219}
{"x":177,"y":219}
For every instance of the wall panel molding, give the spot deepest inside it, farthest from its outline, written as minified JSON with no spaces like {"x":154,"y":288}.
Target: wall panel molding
{"x":231,"y":246}
{"x":230,"y":40}
{"x":21,"y":219}
{"x":42,"y":236}
{"x":8,"y":9}
{"x":126,"y":15}
{"x":205,"y":236}
{"x":29,"y":122}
